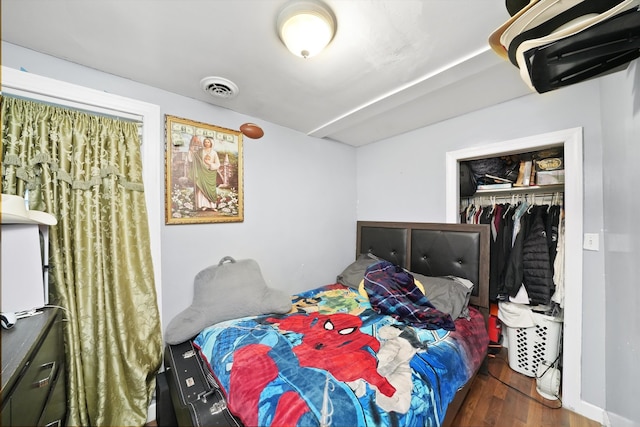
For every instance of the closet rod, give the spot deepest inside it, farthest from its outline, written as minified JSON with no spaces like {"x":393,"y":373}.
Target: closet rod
{"x":529,"y":189}
{"x":556,"y":197}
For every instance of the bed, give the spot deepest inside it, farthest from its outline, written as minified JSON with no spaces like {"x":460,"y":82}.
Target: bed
{"x":366,"y":350}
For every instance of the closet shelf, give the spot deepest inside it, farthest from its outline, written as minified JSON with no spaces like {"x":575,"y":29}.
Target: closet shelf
{"x":552,"y":188}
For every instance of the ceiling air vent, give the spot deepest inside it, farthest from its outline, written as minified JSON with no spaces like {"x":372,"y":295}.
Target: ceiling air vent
{"x":219,"y":87}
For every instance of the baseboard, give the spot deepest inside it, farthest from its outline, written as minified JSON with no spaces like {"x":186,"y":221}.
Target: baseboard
{"x":587,"y":410}
{"x":151,"y":411}
{"x":612,"y":419}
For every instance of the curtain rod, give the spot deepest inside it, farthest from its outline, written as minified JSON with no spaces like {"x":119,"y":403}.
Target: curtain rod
{"x":62,"y":102}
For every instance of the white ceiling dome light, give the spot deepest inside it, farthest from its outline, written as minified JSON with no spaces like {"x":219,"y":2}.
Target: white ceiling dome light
{"x":306,"y":27}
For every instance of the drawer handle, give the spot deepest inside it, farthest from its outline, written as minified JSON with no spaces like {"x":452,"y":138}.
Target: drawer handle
{"x":45,"y":381}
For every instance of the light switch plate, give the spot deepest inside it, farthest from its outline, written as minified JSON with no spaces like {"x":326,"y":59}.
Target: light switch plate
{"x":591,"y":242}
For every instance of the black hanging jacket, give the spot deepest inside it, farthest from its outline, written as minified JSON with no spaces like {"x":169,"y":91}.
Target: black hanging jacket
{"x":536,"y":264}
{"x":512,"y":279}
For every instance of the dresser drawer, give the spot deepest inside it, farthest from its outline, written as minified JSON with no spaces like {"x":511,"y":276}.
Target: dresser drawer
{"x":6,"y":412}
{"x":55,"y":409}
{"x":37,"y":378}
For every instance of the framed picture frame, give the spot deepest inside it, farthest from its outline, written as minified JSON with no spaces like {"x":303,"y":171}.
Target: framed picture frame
{"x":204,"y":173}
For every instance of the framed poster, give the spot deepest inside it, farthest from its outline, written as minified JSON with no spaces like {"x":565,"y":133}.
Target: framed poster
{"x":204,"y":173}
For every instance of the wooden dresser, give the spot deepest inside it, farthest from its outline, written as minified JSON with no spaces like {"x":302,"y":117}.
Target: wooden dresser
{"x":33,"y":378}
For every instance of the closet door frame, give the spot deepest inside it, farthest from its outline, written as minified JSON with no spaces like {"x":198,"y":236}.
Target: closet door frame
{"x":571,"y":140}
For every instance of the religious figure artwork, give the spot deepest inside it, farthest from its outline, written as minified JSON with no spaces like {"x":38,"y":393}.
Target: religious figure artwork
{"x":204,"y":182}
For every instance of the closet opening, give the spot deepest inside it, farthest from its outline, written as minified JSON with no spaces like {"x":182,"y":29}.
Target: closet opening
{"x":570,"y":142}
{"x":520,"y":196}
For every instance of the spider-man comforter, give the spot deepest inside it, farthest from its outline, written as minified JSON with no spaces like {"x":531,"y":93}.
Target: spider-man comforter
{"x":334,"y":361}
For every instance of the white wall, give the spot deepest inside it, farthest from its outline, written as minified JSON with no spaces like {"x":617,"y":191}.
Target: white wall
{"x":403,"y":178}
{"x":621,"y":154}
{"x":299,"y":194}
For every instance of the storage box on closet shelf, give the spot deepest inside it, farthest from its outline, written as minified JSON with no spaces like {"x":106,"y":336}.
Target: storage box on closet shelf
{"x":528,"y":347}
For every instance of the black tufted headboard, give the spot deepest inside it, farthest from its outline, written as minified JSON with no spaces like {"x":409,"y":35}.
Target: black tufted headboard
{"x":432,"y":249}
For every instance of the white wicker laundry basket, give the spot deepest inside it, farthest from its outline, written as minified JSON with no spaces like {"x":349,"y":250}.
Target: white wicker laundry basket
{"x":528,"y":347}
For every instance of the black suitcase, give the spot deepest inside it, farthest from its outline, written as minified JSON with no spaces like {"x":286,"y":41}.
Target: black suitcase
{"x":195,"y":396}
{"x":165,"y":415}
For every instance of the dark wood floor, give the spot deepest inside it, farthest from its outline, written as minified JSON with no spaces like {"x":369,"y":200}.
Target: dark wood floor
{"x":492,"y":403}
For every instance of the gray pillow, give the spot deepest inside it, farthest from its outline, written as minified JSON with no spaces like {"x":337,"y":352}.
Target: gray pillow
{"x":448,"y":294}
{"x":229,"y":290}
{"x":354,"y":273}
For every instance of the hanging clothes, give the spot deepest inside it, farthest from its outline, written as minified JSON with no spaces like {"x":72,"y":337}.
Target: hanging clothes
{"x":552,"y":223}
{"x":495,"y":249}
{"x":506,"y":245}
{"x":514,"y":274}
{"x":524,"y":245}
{"x":558,"y":266}
{"x":537,"y":276}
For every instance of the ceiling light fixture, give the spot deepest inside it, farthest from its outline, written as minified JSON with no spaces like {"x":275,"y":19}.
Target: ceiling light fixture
{"x":306,"y":27}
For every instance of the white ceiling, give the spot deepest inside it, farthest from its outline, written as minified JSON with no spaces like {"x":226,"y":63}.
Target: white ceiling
{"x":393,"y":66}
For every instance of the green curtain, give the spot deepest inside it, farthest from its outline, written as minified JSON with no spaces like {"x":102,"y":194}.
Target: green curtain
{"x":86,"y":170}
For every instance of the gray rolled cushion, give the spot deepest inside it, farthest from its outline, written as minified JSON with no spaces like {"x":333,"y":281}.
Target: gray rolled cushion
{"x":229,"y":290}
{"x":353,"y":274}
